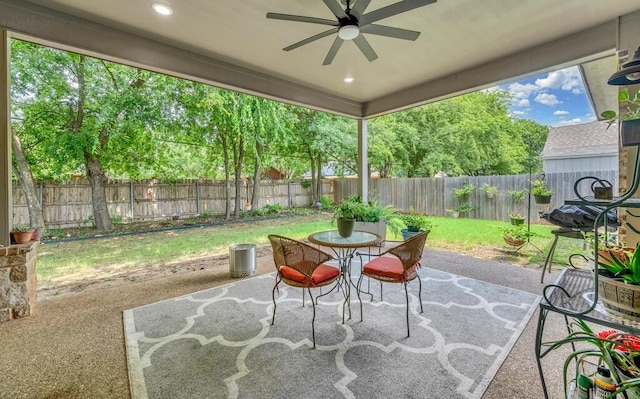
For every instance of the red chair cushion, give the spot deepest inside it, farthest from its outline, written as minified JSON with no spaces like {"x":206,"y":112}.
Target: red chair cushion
{"x":387,"y":266}
{"x":321,"y":274}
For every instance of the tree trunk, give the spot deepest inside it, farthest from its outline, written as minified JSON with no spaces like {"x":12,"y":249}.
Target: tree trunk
{"x":22,"y":169}
{"x":255,"y":195}
{"x":319,"y":179}
{"x":238,"y":158}
{"x":227,"y":177}
{"x":97,"y":178}
{"x":313,"y":177}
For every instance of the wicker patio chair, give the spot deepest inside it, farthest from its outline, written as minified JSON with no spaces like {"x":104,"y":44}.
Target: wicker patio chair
{"x":301,"y":265}
{"x":401,"y":267}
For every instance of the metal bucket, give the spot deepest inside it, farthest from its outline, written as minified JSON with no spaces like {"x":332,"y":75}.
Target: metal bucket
{"x":242,"y":260}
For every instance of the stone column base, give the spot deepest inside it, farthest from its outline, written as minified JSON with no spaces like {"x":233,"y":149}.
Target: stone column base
{"x":18,"y":281}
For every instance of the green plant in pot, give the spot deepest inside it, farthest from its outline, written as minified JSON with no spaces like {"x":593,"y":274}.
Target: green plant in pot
{"x":464,"y":191}
{"x":516,"y":218}
{"x":540,"y":191}
{"x":21,"y":233}
{"x":415,"y":223}
{"x":489,"y":191}
{"x":375,"y":218}
{"x":345,"y":213}
{"x":616,"y":351}
{"x":628,"y":117}
{"x":619,"y":283}
{"x":516,"y":235}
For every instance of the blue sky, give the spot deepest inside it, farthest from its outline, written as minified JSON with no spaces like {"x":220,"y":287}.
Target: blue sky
{"x":555,"y":99}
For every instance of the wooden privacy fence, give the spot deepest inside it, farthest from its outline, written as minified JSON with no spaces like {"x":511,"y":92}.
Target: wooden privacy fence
{"x":434,"y":196}
{"x":68,"y":204}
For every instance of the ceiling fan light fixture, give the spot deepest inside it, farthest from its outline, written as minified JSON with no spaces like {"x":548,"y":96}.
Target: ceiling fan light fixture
{"x":348,"y":32}
{"x":629,"y":74}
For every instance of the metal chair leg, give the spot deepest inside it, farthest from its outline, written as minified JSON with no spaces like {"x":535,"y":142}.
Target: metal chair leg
{"x":313,"y":320}
{"x":273,"y":296}
{"x":406,"y":294}
{"x":420,"y":294}
{"x":358,"y":292}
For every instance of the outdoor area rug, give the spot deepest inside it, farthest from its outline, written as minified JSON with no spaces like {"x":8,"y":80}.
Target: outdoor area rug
{"x":219,"y":343}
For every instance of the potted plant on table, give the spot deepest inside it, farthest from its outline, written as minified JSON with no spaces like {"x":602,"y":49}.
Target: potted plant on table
{"x":540,"y":191}
{"x":21,"y":233}
{"x":628,"y":117}
{"x":415,"y":223}
{"x":345,"y":213}
{"x":374,"y":218}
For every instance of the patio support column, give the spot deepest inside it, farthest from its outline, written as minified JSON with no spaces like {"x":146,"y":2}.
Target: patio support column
{"x":628,"y":39}
{"x":6,"y":202}
{"x":363,"y":161}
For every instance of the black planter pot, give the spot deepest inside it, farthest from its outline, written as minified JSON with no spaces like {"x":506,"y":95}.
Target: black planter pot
{"x":630,"y":132}
{"x":542,"y":199}
{"x":345,"y":227}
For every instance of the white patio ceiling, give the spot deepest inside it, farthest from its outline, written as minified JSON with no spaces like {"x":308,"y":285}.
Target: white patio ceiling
{"x":464,"y":45}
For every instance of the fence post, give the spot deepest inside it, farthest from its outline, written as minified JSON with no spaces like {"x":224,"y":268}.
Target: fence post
{"x":131,"y":200}
{"x":198,"y":197}
{"x":289,"y":193}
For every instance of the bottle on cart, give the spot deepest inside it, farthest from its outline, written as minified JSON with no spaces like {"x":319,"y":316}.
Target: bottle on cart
{"x":584,"y":387}
{"x":604,"y":384}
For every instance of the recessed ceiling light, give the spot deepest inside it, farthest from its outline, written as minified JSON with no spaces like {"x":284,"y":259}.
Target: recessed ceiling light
{"x":162,"y":9}
{"x":348,"y":79}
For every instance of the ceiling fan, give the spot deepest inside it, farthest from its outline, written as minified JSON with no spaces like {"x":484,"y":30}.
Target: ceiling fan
{"x":352,"y":22}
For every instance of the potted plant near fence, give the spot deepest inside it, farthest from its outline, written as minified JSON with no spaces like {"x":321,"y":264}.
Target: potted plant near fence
{"x":21,"y":233}
{"x":489,"y":191}
{"x":516,"y":235}
{"x":540,"y":191}
{"x":516,"y":219}
{"x":628,"y":117}
{"x":464,"y":191}
{"x":415,"y":223}
{"x":374,"y":218}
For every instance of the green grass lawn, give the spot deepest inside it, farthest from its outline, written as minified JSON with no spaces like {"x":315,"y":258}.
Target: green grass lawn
{"x":61,"y":262}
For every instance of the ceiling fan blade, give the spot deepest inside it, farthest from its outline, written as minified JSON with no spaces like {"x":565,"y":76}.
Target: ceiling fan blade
{"x":333,"y":51}
{"x":311,"y":39}
{"x":365,"y":47}
{"x":393,"y":9}
{"x":300,"y":18}
{"x":359,"y":8}
{"x":335,"y":8}
{"x":389,"y":31}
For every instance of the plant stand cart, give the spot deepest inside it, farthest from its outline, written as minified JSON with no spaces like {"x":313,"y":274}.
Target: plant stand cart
{"x":574,"y":293}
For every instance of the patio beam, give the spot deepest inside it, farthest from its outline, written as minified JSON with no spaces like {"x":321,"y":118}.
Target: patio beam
{"x":34,"y":23}
{"x":6,"y":202}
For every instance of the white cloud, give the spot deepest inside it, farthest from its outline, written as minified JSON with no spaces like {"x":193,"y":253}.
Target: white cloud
{"x":566,"y":79}
{"x":559,"y":112}
{"x":521,"y":91}
{"x":573,"y":121}
{"x":547,"y":99}
{"x":518,"y":113}
{"x":521,"y":103}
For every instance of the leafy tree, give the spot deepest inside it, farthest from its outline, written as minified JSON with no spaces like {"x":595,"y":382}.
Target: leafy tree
{"x":86,"y":114}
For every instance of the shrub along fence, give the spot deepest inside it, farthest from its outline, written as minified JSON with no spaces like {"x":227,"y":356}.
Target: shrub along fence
{"x":68,"y":204}
{"x":434,"y":196}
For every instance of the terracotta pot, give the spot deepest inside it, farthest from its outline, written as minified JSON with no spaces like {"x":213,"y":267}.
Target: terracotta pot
{"x":604,"y":255}
{"x":513,"y":242}
{"x":21,"y":237}
{"x":620,"y":298}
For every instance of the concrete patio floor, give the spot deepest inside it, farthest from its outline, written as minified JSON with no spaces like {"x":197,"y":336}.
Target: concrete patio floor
{"x":73,"y":347}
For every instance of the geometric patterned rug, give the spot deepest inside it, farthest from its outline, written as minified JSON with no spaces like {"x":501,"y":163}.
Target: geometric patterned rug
{"x":219,"y":343}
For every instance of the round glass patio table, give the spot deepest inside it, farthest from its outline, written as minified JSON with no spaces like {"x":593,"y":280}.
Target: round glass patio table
{"x":344,"y":249}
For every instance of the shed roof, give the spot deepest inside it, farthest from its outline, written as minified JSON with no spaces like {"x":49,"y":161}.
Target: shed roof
{"x":586,"y":139}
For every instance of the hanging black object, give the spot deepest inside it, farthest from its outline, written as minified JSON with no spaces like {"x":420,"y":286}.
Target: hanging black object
{"x":579,"y":217}
{"x":629,"y":74}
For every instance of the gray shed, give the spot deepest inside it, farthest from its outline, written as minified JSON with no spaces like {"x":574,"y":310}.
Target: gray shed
{"x":578,"y":148}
